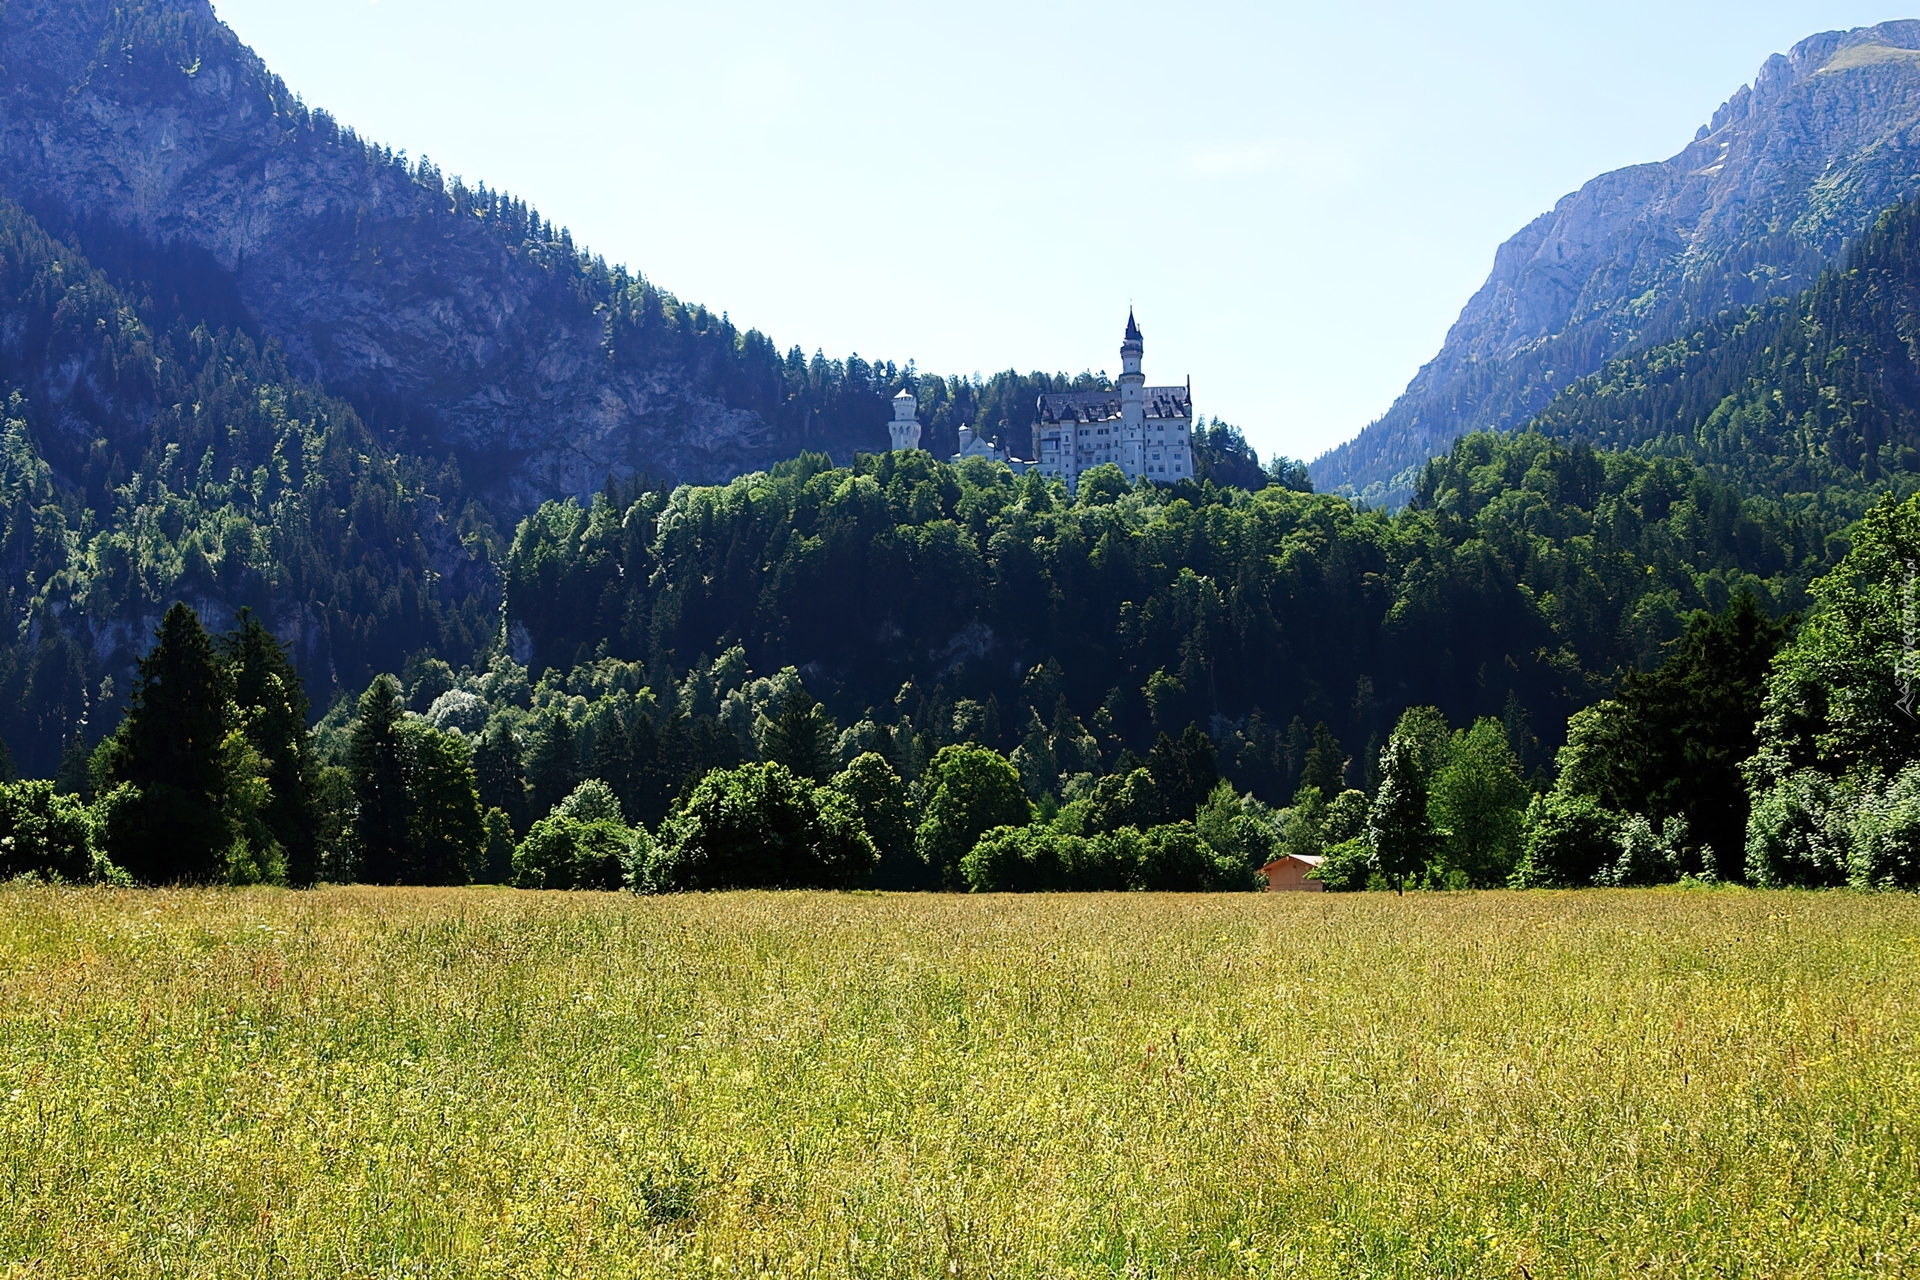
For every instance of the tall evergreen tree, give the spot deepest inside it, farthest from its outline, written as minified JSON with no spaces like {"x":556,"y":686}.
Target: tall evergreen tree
{"x":553,"y":766}
{"x":1185,"y":772}
{"x":801,"y":738}
{"x":446,"y":830}
{"x":376,"y":761}
{"x":613,"y":759}
{"x":170,"y":750}
{"x":501,"y":775}
{"x":1325,"y":764}
{"x":1398,"y":829}
{"x":273,"y":712}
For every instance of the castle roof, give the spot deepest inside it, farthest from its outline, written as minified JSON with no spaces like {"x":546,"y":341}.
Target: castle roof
{"x":1133,"y":328}
{"x":1078,"y":406}
{"x":1169,"y":402}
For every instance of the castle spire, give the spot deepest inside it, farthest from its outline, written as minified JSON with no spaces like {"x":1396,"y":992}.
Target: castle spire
{"x":1133,"y":328}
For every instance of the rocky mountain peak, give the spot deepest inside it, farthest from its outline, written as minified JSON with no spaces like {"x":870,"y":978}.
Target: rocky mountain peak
{"x":1788,"y":171}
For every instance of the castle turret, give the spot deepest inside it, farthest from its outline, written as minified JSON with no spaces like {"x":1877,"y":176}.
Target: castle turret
{"x":905,"y":427}
{"x":1133,"y":400}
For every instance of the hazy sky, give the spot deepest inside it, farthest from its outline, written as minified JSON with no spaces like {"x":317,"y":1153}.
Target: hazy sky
{"x":1298,"y":198}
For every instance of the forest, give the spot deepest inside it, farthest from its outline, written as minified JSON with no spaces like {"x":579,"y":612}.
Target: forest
{"x":1548,"y":668}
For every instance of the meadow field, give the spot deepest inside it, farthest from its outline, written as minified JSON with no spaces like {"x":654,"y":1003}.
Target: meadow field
{"x":367,"y":1082}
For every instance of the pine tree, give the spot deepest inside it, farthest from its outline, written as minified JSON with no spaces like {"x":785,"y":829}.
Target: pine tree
{"x":802,"y":738}
{"x":553,"y":766}
{"x":273,"y":711}
{"x":174,"y":828}
{"x":613,"y":759}
{"x":1398,"y":829}
{"x":377,"y":763}
{"x":501,"y":775}
{"x":1325,"y":765}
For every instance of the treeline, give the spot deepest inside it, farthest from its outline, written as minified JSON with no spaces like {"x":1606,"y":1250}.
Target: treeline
{"x":915,"y":595}
{"x":1759,"y":750}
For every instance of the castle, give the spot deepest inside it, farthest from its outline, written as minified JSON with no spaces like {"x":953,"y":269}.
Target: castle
{"x":1145,"y":431}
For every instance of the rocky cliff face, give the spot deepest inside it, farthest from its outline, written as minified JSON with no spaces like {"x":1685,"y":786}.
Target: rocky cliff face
{"x":1789,"y":170}
{"x":457,"y":322}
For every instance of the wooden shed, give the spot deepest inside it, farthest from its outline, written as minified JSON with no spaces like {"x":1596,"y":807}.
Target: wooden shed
{"x":1289,"y":874}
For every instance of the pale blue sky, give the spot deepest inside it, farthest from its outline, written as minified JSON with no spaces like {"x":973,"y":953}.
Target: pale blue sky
{"x":1297,"y":197}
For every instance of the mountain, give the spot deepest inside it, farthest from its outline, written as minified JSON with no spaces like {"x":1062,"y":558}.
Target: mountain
{"x":1789,"y":171}
{"x":457,"y":321}
{"x":1815,"y":398}
{"x":145,"y":459}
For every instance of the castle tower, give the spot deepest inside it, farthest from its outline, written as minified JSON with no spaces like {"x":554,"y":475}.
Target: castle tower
{"x":905,"y":427}
{"x":1133,"y":401}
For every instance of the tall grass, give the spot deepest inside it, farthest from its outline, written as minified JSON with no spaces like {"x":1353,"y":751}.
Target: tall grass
{"x":449,"y":1083}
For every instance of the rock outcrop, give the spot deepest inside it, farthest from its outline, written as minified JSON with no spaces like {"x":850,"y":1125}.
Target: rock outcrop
{"x":457,"y":322}
{"x":1789,"y":171}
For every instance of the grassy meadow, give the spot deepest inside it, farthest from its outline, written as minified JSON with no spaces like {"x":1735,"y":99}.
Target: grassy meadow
{"x":366,"y":1082}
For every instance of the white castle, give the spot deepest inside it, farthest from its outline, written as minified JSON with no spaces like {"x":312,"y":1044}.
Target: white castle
{"x":905,"y":430}
{"x":1145,"y":431}
{"x":905,"y":427}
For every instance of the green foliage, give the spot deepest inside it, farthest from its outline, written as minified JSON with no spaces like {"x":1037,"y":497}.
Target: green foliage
{"x":1670,"y":743}
{"x":47,"y":835}
{"x":591,"y":801}
{"x":1236,"y":829}
{"x":377,"y":762}
{"x":147,"y":456}
{"x":1176,"y":860}
{"x":759,"y":827}
{"x":1477,"y":799}
{"x":1838,"y":697}
{"x":802,"y":737}
{"x":1399,"y":833}
{"x":1570,"y":840}
{"x":445,"y":834}
{"x":272,"y":703}
{"x":886,"y":814}
{"x":1036,"y":860}
{"x":1797,"y":835}
{"x":1645,"y":856}
{"x":1348,"y":866}
{"x":497,"y":860}
{"x":1530,"y":572}
{"x":1811,"y":395}
{"x":566,"y":852}
{"x":185,"y":812}
{"x":553,"y":765}
{"x":1885,"y":851}
{"x":967,"y":792}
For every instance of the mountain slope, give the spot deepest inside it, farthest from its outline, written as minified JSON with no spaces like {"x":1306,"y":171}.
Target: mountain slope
{"x":1788,"y":172}
{"x":142,"y":463}
{"x":1815,"y":395}
{"x":457,"y":321}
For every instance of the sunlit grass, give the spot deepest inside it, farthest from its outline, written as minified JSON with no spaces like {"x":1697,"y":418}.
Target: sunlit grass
{"x":390,"y":1083}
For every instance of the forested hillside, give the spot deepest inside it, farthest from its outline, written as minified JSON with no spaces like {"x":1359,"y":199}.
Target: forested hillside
{"x":1787,"y":174}
{"x":1816,"y":395}
{"x":146,"y":459}
{"x":899,"y":589}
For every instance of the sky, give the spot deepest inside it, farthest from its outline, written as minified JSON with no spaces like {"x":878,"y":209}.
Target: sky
{"x":1296,"y":198}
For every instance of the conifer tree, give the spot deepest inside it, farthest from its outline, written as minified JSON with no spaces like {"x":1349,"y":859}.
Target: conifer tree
{"x":501,"y":775}
{"x":173,"y":827}
{"x":553,"y":766}
{"x":377,"y":764}
{"x":1398,"y":829}
{"x":273,"y":710}
{"x":802,"y":738}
